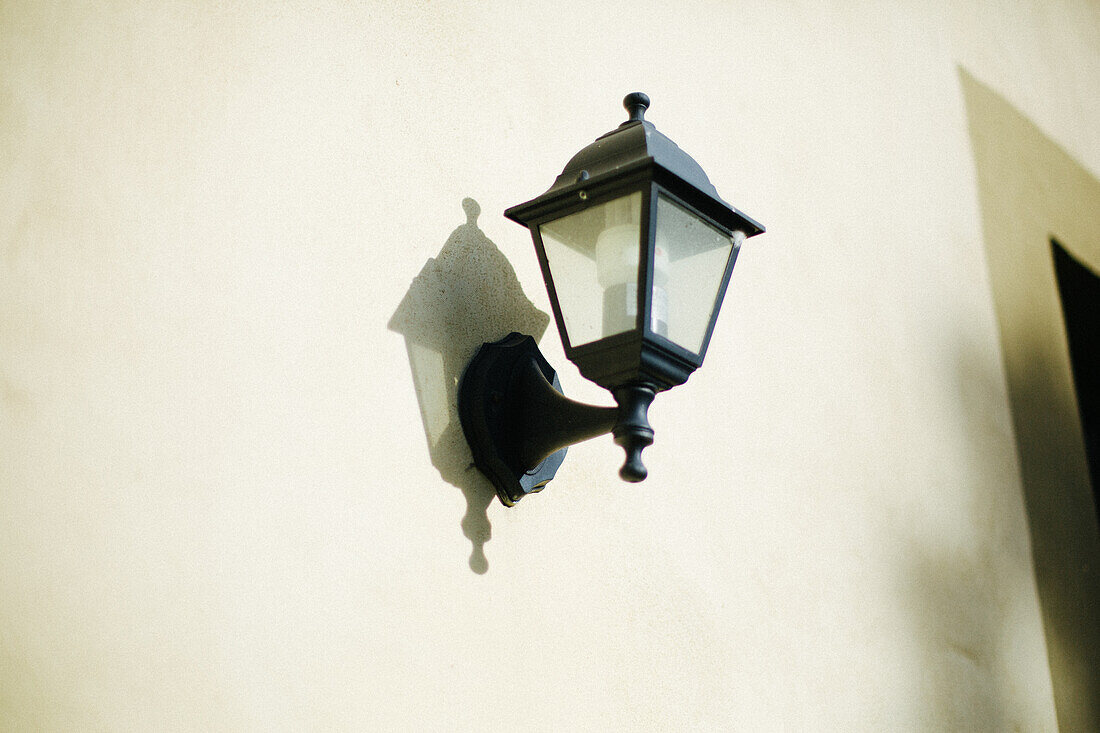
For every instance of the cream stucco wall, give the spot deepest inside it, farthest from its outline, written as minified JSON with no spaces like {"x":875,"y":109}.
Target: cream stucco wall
{"x":238,"y":276}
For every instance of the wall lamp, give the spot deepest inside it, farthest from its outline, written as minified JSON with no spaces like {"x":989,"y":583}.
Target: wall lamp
{"x":636,"y":248}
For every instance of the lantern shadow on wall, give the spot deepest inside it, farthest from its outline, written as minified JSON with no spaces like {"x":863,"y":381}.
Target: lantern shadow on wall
{"x":466,"y":295}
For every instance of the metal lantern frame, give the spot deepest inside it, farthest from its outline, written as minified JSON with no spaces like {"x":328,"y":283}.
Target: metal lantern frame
{"x":639,"y":354}
{"x":517,"y":422}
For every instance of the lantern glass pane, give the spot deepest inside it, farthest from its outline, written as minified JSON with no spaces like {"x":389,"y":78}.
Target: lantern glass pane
{"x":593,"y":256}
{"x":689,"y":262}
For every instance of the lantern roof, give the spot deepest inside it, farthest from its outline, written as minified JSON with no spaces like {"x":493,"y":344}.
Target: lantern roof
{"x":633,"y":146}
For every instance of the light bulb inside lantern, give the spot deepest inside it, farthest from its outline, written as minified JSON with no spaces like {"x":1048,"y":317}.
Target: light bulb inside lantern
{"x":617,"y":249}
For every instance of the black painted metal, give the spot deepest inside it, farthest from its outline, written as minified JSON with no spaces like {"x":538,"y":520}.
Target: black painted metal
{"x":634,"y":157}
{"x":635,"y":146}
{"x":632,"y":430}
{"x":636,"y":104}
{"x":514,"y":416}
{"x":519,"y":424}
{"x":517,"y":421}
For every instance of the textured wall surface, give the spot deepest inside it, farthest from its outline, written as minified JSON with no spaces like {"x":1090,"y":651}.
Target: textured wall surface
{"x":245,"y":252}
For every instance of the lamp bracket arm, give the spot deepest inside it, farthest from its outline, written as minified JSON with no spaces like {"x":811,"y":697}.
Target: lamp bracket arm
{"x":548,"y":420}
{"x":519,"y":424}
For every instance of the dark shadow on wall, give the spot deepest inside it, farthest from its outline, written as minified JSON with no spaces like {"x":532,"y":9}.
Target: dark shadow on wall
{"x":1063,"y":534}
{"x":1029,"y":188}
{"x":464,"y":296}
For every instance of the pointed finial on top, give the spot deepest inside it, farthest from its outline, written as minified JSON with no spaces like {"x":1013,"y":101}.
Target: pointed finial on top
{"x":636,"y":104}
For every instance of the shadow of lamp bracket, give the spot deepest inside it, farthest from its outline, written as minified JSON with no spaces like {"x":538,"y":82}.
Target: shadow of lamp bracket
{"x":636,"y":249}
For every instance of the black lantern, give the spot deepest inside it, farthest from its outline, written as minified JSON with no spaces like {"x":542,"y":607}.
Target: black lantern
{"x":636,"y":248}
